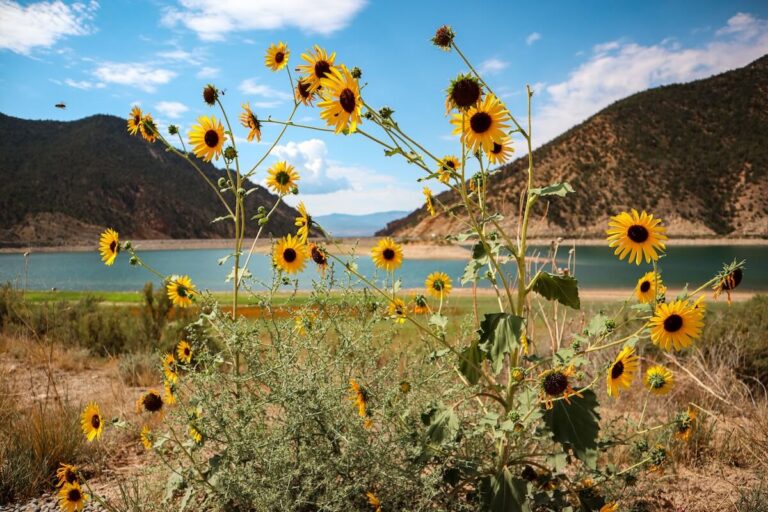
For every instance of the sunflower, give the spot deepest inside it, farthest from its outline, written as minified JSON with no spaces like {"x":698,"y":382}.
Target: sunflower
{"x":134,"y":120}
{"x":464,"y":92}
{"x":342,"y":104}
{"x":282,"y":178}
{"x":169,"y":393}
{"x":482,"y":125}
{"x":419,"y":304}
{"x":501,"y":151}
{"x":359,"y":395}
{"x":405,"y":387}
{"x":67,"y":474}
{"x":443,"y":37}
{"x":277,"y":56}
{"x":303,"y":222}
{"x":207,"y":138}
{"x":109,"y":246}
{"x":676,"y":325}
{"x":622,"y":370}
{"x":151,"y":401}
{"x":373,"y":501}
{"x":250,"y":121}
{"x":181,"y":291}
{"x":72,"y":498}
{"x":636,"y":234}
{"x":387,"y":254}
{"x":438,"y":285}
{"x":210,"y":95}
{"x":659,"y":380}
{"x":302,"y":92}
{"x":319,"y":255}
{"x":317,"y":67}
{"x":184,"y":352}
{"x":684,"y":424}
{"x":169,"y":368}
{"x":148,"y":128}
{"x":649,"y":288}
{"x":289,"y":254}
{"x":555,"y":384}
{"x":91,"y":422}
{"x":146,"y":437}
{"x":195,"y":434}
{"x":397,"y":310}
{"x":449,"y":166}
{"x":428,"y":201}
{"x":728,"y":279}
{"x":611,"y":506}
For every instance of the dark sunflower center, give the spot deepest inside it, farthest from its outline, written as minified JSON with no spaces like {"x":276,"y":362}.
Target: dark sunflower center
{"x":209,"y":95}
{"x":318,"y":256}
{"x":136,"y":119}
{"x":733,"y":279}
{"x":283,"y":178}
{"x":303,"y":88}
{"x":181,"y":291}
{"x":399,"y":310}
{"x":555,"y":383}
{"x":388,"y":254}
{"x":186,"y":351}
{"x":617,"y":370}
{"x":95,"y":421}
{"x":289,"y":255}
{"x":637,"y":234}
{"x":451,"y":164}
{"x":496,"y":149}
{"x":74,"y":496}
{"x":153,"y":402}
{"x":438,"y":285}
{"x":70,"y":476}
{"x":112,"y":246}
{"x":465,"y":92}
{"x":673,"y":323}
{"x":322,"y":68}
{"x":211,"y":138}
{"x":421,"y":301}
{"x":347,"y":100}
{"x":480,"y":122}
{"x":279,"y":57}
{"x":645,"y":286}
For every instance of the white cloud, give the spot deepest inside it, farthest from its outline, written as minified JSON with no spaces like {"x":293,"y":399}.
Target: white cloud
{"x":617,"y":69}
{"x":491,"y":66}
{"x":532,"y":38}
{"x":84,"y":84}
{"x":135,"y":74}
{"x":361,"y":202}
{"x":42,"y":24}
{"x":310,"y":157}
{"x":213,"y":19}
{"x":207,"y":72}
{"x":172,"y":109}
{"x":272,"y":97}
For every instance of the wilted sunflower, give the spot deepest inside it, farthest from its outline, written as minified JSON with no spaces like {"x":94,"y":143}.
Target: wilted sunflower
{"x":277,"y":56}
{"x":483,"y":124}
{"x":67,"y":474}
{"x":438,"y":285}
{"x":555,"y":384}
{"x":419,"y":304}
{"x":318,"y":66}
{"x":621,"y":372}
{"x":428,"y":201}
{"x":134,"y":120}
{"x":72,"y":498}
{"x":195,"y":434}
{"x":359,"y":395}
{"x":501,"y":151}
{"x":169,"y":392}
{"x":109,"y":246}
{"x":373,"y":501}
{"x":207,"y":138}
{"x":443,"y":37}
{"x":397,"y":310}
{"x":250,"y":121}
{"x":210,"y":95}
{"x":342,"y":104}
{"x":282,"y":178}
{"x":289,"y":254}
{"x":449,"y":166}
{"x":148,"y":128}
{"x":728,"y":279}
{"x":151,"y":401}
{"x":637,"y":235}
{"x":184,"y":352}
{"x":659,"y":380}
{"x":146,"y":437}
{"x":649,"y":288}
{"x":464,"y":92}
{"x":302,"y":92}
{"x":684,"y":424}
{"x":319,"y":255}
{"x":676,"y":325}
{"x":303,"y":222}
{"x":180,"y":290}
{"x":387,"y":254}
{"x":91,"y":422}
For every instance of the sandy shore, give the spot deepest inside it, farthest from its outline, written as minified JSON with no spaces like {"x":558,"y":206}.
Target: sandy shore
{"x":411,"y":249}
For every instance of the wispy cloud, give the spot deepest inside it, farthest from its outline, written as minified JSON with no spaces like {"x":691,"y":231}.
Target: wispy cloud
{"x":207,"y":72}
{"x":42,"y":24}
{"x":310,"y":157}
{"x":491,"y":66}
{"x":84,"y":84}
{"x":172,"y":109}
{"x":271,"y":97}
{"x":532,"y":38}
{"x":212,"y":20}
{"x":134,"y":74}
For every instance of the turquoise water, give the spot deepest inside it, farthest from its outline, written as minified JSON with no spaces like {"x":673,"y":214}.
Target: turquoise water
{"x":596,"y":267}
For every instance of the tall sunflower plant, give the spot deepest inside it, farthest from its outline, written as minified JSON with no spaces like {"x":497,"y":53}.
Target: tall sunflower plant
{"x":514,"y":422}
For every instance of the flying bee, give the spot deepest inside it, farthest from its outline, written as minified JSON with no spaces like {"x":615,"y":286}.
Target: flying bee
{"x":61,"y":105}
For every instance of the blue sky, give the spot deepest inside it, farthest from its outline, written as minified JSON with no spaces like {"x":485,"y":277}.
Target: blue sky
{"x":103,"y":57}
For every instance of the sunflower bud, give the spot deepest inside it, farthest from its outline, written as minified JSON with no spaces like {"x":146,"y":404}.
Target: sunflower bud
{"x":133,"y":261}
{"x":518,"y":374}
{"x":210,"y":94}
{"x":443,"y":37}
{"x":386,"y":112}
{"x":295,"y":190}
{"x":513,"y":416}
{"x":368,"y":115}
{"x":263,"y":221}
{"x":173,"y":129}
{"x":241,"y":192}
{"x":230,"y":153}
{"x":356,"y":73}
{"x":128,"y":245}
{"x":261,"y":210}
{"x":222,"y":182}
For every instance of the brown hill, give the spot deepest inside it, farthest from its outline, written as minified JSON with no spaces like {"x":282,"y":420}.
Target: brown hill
{"x":63,"y":182}
{"x":695,"y":154}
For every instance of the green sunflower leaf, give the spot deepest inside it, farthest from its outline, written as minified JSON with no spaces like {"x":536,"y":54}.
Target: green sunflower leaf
{"x":576,"y":425}
{"x":442,"y":424}
{"x":499,"y":335}
{"x":503,"y":492}
{"x":563,"y":289}
{"x":470,"y":362}
{"x":557,"y":189}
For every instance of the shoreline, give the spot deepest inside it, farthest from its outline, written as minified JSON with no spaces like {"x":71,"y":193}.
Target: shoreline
{"x":412,"y":249}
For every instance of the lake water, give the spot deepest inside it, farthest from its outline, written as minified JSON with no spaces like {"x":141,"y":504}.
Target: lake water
{"x":596,"y":267}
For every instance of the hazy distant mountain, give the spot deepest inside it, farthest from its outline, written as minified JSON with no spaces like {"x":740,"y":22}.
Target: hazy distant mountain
{"x":343,"y":225}
{"x":63,"y":182}
{"x":695,"y":154}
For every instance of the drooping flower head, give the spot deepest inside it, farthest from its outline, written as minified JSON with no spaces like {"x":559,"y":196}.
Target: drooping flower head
{"x":649,"y":288}
{"x":684,"y":424}
{"x":207,"y":138}
{"x":428,"y":201}
{"x":483,"y":124}
{"x":180,"y":291}
{"x":675,"y":326}
{"x":397,"y":310}
{"x":319,"y":255}
{"x":109,"y":246}
{"x":289,"y":254}
{"x":659,"y":380}
{"x":195,"y":434}
{"x":134,"y":120}
{"x":443,"y":37}
{"x":387,"y":254}
{"x":169,"y":392}
{"x":249,"y":120}
{"x":419,"y":304}
{"x":359,"y":395}
{"x":91,"y":422}
{"x":318,"y":66}
{"x":438,"y":285}
{"x":169,"y":368}
{"x":282,"y":178}
{"x":728,"y":279}
{"x":277,"y":56}
{"x":621,"y":372}
{"x":210,"y":95}
{"x":638,"y":235}
{"x":148,"y":128}
{"x":303,"y":222}
{"x":303,"y":93}
{"x":66,"y":474}
{"x":146,"y":437}
{"x":342,"y":104}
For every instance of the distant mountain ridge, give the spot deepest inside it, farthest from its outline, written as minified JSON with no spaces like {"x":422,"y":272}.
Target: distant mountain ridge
{"x":347,"y":225}
{"x":63,"y":182}
{"x":694,"y":154}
